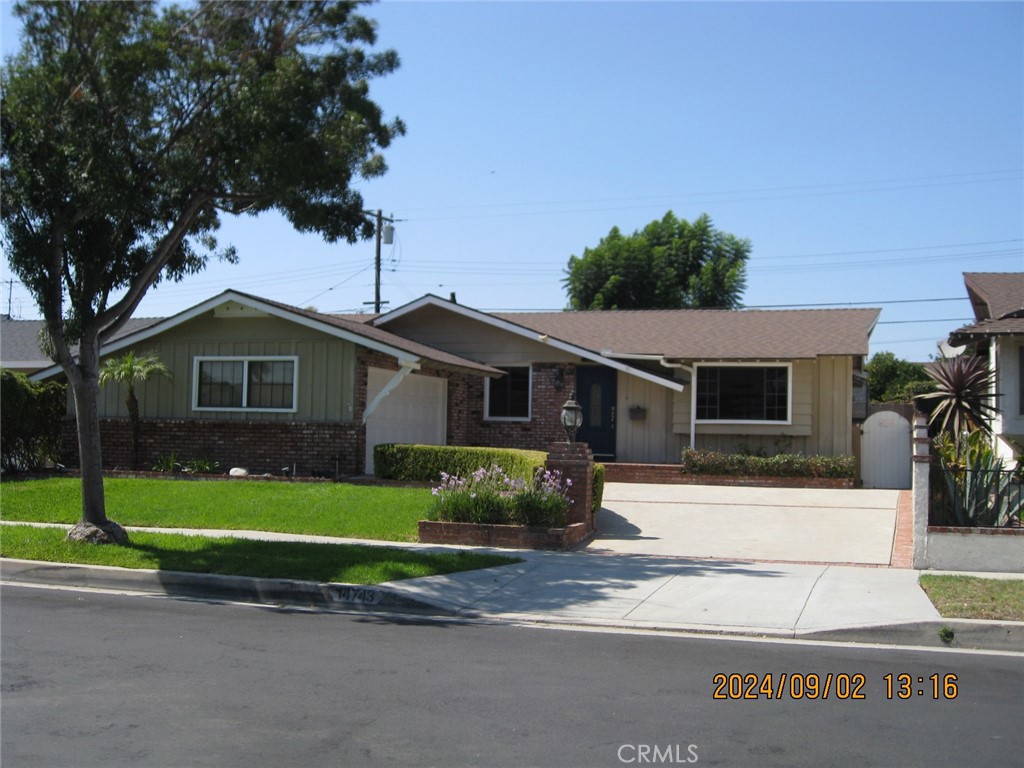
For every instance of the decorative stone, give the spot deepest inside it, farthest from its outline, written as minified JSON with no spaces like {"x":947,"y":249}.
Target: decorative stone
{"x":110,"y":533}
{"x":238,"y":472}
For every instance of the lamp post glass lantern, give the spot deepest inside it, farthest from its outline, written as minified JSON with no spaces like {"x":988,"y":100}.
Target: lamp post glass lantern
{"x":572,"y":417}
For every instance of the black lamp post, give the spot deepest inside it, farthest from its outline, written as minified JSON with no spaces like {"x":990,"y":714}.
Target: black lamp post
{"x":572,"y":417}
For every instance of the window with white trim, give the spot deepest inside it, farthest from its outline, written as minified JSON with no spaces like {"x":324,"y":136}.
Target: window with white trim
{"x":743,"y":393}
{"x":508,"y":397}
{"x":245,"y":384}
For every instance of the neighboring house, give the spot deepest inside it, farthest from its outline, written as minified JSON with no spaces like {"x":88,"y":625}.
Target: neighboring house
{"x":998,"y":333}
{"x":268,"y":386}
{"x":20,"y":347}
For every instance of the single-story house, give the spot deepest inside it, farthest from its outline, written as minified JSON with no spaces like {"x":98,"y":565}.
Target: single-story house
{"x":268,"y":386}
{"x":998,"y":333}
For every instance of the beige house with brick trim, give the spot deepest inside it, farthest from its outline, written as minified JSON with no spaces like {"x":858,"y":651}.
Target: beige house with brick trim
{"x":268,"y":386}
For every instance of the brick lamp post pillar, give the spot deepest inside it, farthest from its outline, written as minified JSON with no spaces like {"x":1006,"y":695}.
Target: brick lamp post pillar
{"x":575,"y":462}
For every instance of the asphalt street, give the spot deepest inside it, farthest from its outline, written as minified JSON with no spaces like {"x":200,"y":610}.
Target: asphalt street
{"x":97,"y":679}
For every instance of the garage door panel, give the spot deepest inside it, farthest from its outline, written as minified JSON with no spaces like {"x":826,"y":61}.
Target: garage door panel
{"x":414,"y":412}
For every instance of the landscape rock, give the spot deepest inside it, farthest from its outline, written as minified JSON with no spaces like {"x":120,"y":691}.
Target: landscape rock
{"x":238,"y":472}
{"x":111,"y":533}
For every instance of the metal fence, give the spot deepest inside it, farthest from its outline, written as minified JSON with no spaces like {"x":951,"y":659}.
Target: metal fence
{"x":976,"y":498}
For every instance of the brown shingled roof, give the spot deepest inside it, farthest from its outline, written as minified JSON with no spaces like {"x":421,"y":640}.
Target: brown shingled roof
{"x":707,"y":334}
{"x":995,"y":294}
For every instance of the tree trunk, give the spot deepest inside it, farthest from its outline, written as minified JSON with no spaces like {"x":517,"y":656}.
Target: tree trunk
{"x":94,"y":526}
{"x":136,"y":427}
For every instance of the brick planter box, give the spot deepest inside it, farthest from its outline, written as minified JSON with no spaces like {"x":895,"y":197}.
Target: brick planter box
{"x":671,"y":473}
{"x":505,"y":536}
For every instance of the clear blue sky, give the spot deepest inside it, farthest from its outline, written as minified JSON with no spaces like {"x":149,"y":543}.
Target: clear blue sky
{"x":872,"y":153}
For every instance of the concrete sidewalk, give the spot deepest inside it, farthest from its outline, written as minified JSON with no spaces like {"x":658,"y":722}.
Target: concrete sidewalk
{"x":582,"y":588}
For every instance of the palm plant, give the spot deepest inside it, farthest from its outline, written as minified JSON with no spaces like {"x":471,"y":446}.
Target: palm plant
{"x":131,"y":369}
{"x":963,"y":398}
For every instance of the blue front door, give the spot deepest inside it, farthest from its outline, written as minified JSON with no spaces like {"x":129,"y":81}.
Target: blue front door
{"x":595,"y":392}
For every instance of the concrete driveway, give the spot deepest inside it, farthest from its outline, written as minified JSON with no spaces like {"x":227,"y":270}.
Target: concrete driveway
{"x":767,"y":524}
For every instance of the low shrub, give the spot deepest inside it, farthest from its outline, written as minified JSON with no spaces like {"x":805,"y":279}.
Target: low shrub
{"x":598,"y":488}
{"x":426,"y":463}
{"x":699,"y":462}
{"x":493,"y":497}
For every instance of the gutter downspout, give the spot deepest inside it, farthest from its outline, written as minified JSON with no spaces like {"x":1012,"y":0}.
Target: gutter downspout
{"x":663,"y":361}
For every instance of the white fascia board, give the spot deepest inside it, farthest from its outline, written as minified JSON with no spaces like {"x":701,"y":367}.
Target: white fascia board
{"x":526,"y":333}
{"x":404,"y":358}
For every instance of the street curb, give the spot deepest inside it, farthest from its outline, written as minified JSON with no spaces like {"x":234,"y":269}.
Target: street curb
{"x":963,"y":634}
{"x":246,"y":589}
{"x":967,"y":634}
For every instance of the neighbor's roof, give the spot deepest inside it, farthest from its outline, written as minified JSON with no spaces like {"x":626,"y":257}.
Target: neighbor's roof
{"x":19,"y":341}
{"x":709,"y":334}
{"x":995,"y":295}
{"x":998,"y":301}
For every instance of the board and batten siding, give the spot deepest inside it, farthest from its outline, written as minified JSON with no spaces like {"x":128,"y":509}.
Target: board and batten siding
{"x":650,"y":439}
{"x":325,"y":373}
{"x":475,"y":340}
{"x":822,"y":415}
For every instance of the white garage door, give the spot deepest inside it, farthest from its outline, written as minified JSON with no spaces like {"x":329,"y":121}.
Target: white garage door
{"x":414,"y":412}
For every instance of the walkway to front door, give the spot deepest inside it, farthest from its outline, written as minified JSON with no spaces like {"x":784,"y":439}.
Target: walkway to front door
{"x":767,"y":524}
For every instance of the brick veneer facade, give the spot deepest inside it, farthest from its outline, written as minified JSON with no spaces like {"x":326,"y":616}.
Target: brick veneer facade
{"x":310,"y":448}
{"x":552,"y":385}
{"x":331,"y":448}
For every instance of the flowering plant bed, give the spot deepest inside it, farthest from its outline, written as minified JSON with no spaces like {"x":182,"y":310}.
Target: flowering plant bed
{"x":491,"y":496}
{"x":491,"y":509}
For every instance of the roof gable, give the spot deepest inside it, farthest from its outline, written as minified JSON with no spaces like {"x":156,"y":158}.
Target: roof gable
{"x":407,"y":352}
{"x":995,"y":295}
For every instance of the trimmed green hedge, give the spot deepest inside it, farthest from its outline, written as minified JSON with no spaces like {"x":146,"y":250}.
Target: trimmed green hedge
{"x":696,"y":462}
{"x":598,"y":487}
{"x":31,"y":414}
{"x":425,"y":463}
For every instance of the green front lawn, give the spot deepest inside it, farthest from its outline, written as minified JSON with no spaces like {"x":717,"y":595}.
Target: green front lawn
{"x":323,"y":509}
{"x":345,"y":563}
{"x":969,"y":597}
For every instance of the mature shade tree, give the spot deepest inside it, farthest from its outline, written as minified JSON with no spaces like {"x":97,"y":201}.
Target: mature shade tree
{"x":669,"y":264}
{"x":127,"y":127}
{"x":130,"y":369}
{"x":892,"y":380}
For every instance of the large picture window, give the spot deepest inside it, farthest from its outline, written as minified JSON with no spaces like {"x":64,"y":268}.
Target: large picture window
{"x":244,"y":384}
{"x":508,"y":397}
{"x":743,"y":393}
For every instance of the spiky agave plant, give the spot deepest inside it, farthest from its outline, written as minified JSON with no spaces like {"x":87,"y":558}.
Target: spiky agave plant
{"x":963,"y":398}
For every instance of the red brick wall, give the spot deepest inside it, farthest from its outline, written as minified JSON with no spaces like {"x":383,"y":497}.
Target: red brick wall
{"x":259,"y":446}
{"x":467,"y":425}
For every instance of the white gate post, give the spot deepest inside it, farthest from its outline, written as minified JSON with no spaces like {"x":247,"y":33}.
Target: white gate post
{"x":921,"y":493}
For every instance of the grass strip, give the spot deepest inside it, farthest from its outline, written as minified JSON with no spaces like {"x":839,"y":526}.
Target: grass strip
{"x":970,"y":597}
{"x":322,"y":509}
{"x":344,"y":563}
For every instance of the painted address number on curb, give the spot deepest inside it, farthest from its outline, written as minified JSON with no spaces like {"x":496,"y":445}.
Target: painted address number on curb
{"x":360,"y":595}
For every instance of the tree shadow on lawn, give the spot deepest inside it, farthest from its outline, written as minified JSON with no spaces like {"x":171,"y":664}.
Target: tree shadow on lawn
{"x":344,"y":563}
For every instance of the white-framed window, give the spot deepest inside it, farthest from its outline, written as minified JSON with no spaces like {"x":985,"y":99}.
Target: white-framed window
{"x":265,"y":384}
{"x":744,"y":393}
{"x":508,"y":397}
